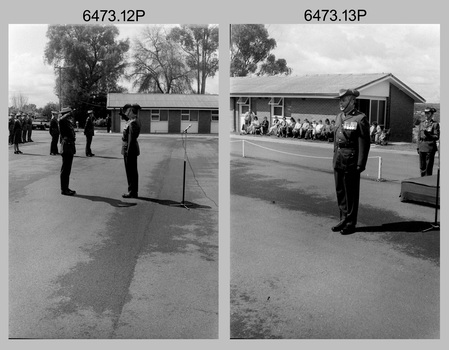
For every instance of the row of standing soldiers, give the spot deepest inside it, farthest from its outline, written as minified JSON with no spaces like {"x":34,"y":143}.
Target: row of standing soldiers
{"x":20,"y":128}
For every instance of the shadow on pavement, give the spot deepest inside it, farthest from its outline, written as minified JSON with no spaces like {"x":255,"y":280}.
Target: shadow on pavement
{"x":103,"y":157}
{"x":405,"y":226}
{"x":113,"y":202}
{"x":171,"y":203}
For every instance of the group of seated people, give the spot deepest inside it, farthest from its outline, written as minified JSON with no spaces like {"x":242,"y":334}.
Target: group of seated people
{"x":283,"y":127}
{"x":378,"y":134}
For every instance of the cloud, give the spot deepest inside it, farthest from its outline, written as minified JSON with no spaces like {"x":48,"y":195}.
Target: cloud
{"x":410,"y":52}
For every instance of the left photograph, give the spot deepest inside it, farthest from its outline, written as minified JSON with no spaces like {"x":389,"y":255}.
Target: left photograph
{"x":113,"y":181}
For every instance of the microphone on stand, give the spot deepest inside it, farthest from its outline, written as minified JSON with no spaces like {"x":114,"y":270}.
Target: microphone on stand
{"x":185,"y":130}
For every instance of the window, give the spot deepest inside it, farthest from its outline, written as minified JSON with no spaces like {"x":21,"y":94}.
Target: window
{"x":155,"y":115}
{"x":244,"y":105}
{"x":215,"y":115}
{"x":243,"y":101}
{"x":277,"y":106}
{"x":185,"y":114}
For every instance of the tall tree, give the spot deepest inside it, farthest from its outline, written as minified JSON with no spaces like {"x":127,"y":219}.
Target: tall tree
{"x":48,"y":108}
{"x":250,"y":47}
{"x":19,"y":101}
{"x":158,"y":63}
{"x":88,"y":60}
{"x":273,"y":66}
{"x":200,"y":45}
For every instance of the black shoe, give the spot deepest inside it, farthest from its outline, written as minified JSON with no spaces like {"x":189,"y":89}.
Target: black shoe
{"x":339,"y":226}
{"x":347,"y":230}
{"x":130,"y":195}
{"x":68,"y":192}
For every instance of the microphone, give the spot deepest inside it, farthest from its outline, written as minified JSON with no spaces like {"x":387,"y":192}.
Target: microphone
{"x":185,"y":130}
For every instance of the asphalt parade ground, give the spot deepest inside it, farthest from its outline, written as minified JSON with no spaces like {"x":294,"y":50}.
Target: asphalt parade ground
{"x":293,"y":278}
{"x":98,"y":266}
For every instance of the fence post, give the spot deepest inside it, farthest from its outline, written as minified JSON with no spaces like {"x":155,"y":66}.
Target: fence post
{"x":379,"y":173}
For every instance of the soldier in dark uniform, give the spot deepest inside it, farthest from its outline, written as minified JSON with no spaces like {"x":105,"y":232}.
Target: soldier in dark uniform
{"x":29,"y":128}
{"x":351,"y":147}
{"x":11,"y":129}
{"x":54,"y":132}
{"x":24,"y":127}
{"x":89,"y":131}
{"x":108,"y":123}
{"x":68,"y":150}
{"x":130,"y":147}
{"x":17,"y":130}
{"x":428,"y":135}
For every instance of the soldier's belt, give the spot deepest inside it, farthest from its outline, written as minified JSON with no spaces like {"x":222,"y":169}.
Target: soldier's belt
{"x":345,"y":145}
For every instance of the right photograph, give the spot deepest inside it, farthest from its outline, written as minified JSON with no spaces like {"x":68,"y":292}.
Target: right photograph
{"x":335,"y":181}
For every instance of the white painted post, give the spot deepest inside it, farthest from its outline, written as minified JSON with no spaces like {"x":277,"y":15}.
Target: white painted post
{"x":379,"y":174}
{"x":243,"y":148}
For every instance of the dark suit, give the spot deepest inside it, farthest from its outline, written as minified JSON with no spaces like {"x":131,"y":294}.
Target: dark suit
{"x":68,"y":150}
{"x":54,"y":132}
{"x":351,"y":148}
{"x":89,"y":132}
{"x":130,"y":151}
{"x":29,"y":128}
{"x":428,"y":135}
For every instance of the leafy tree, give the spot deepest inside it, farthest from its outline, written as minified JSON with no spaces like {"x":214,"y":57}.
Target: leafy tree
{"x":158,"y":64}
{"x":91,"y":59}
{"x":48,"y":108}
{"x":272,"y":66}
{"x":200,"y":45}
{"x":250,"y":47}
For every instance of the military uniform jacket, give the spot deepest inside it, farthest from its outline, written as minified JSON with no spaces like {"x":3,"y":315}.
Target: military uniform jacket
{"x":54,"y":127}
{"x":428,"y":135}
{"x":17,"y":125}
{"x":67,"y":135}
{"x":131,"y":132}
{"x":89,"y":127}
{"x":351,"y":141}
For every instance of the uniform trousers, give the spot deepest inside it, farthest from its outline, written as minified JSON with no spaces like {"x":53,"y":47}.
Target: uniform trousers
{"x":426,"y":160}
{"x":30,"y":130}
{"x":67,"y":160}
{"x":54,"y":144}
{"x":88,"y":143}
{"x":347,"y":186}
{"x":132,"y":174}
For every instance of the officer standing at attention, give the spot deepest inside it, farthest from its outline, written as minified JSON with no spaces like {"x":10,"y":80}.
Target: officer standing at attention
{"x":89,"y":131}
{"x":130,"y":147}
{"x":29,"y":128}
{"x":68,"y":150}
{"x":351,"y":147}
{"x":17,"y":130}
{"x":54,"y":132}
{"x":24,"y":127}
{"x":428,"y":135}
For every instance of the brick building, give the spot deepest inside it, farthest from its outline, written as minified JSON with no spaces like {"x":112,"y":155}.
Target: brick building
{"x":383,"y":98}
{"x":168,"y":113}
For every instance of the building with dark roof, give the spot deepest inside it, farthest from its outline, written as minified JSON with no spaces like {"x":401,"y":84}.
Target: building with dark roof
{"x":383,"y":98}
{"x":168,"y":113}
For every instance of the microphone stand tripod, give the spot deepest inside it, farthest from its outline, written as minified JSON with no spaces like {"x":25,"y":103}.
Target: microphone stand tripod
{"x":183,"y":203}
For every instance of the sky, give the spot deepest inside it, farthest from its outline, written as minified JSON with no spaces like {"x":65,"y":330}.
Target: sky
{"x":31,"y":77}
{"x":410,"y":52}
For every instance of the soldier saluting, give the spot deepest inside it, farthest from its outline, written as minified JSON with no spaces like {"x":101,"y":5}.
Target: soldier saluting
{"x":428,"y":135}
{"x":351,"y":148}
